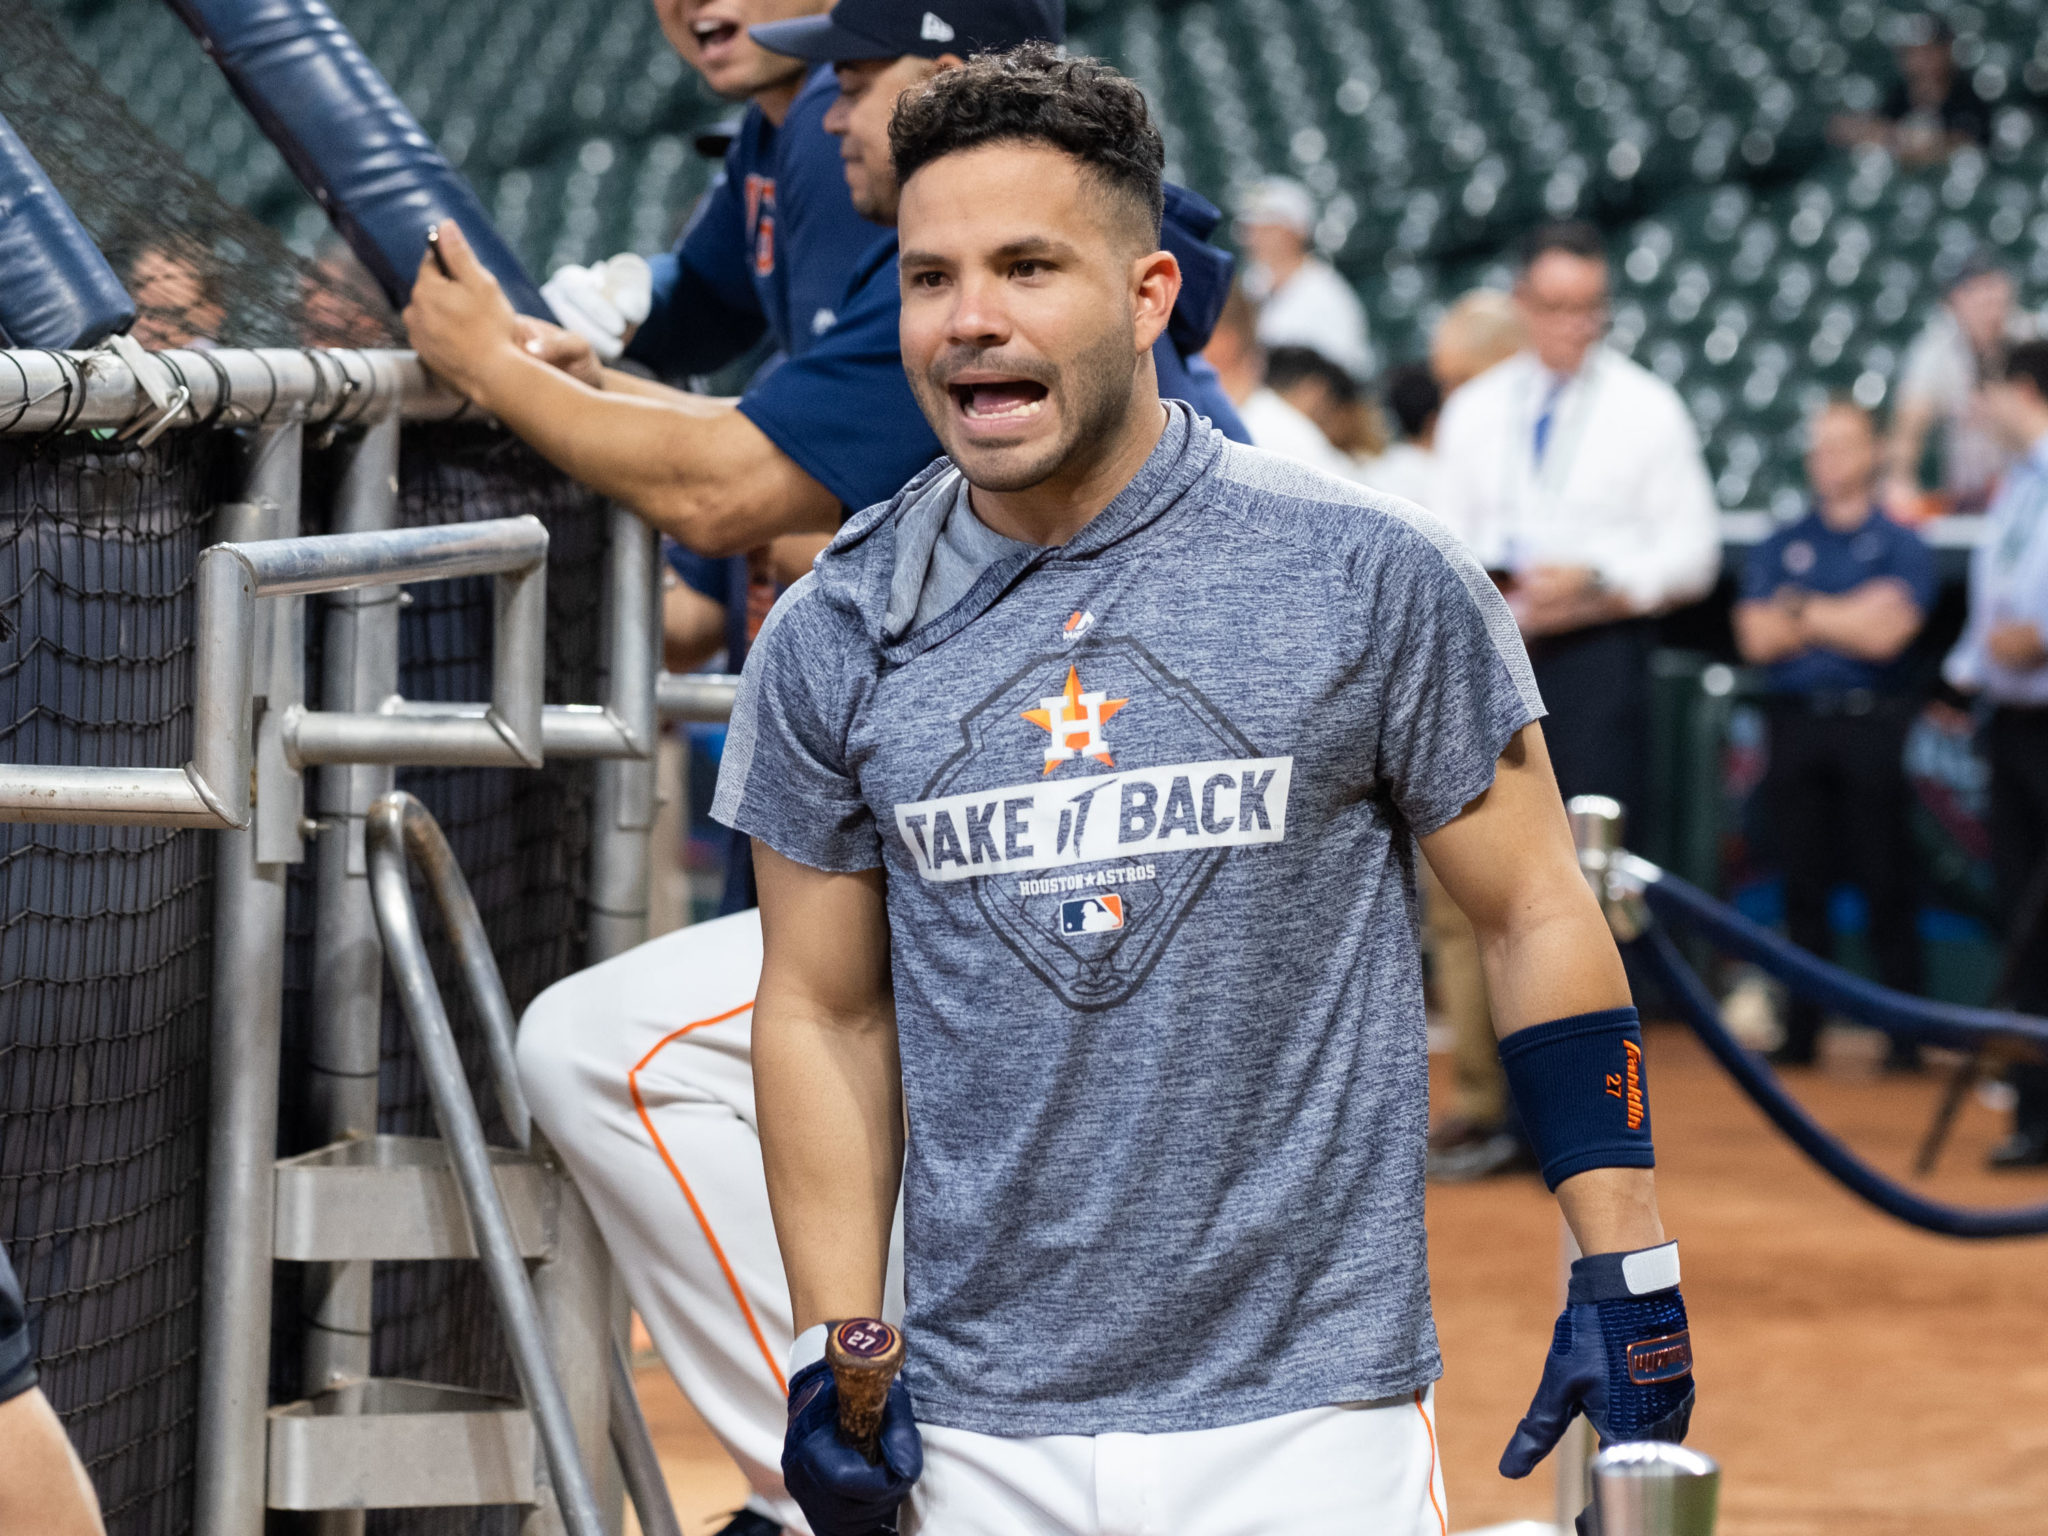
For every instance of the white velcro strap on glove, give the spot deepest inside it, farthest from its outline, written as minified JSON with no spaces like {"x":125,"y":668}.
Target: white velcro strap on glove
{"x":808,"y":1348}
{"x":1651,"y":1269}
{"x":602,"y":303}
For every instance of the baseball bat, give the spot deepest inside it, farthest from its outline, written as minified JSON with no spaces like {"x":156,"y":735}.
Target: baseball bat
{"x":865,"y":1354}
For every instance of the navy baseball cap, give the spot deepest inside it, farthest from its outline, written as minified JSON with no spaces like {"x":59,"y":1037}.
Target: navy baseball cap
{"x":889,"y":29}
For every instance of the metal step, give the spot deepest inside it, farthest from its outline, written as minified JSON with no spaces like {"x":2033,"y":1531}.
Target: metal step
{"x":388,"y":1443}
{"x":395,"y":1197}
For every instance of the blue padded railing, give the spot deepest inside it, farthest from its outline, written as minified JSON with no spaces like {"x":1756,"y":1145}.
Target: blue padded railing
{"x":1675,"y":901}
{"x":56,"y":289}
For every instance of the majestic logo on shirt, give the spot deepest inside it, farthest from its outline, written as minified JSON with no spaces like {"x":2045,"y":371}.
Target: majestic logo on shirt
{"x":759,"y":192}
{"x":1087,"y":875}
{"x":1074,"y":720}
{"x":934,"y":30}
{"x":1079,"y":622}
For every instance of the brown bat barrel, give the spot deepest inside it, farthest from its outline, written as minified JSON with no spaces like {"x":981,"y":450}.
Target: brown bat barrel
{"x":865,"y":1354}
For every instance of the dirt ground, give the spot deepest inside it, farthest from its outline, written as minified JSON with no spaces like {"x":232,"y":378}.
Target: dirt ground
{"x":1857,"y":1378}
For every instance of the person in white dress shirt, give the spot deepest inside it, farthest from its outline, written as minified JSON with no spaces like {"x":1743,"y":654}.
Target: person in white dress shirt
{"x":1301,"y":299}
{"x":1576,"y":477}
{"x":2002,"y":658}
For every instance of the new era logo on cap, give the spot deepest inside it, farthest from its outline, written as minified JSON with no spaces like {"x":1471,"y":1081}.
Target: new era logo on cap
{"x":888,"y":29}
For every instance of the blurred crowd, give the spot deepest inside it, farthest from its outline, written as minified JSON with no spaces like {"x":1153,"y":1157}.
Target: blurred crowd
{"x":1576,"y":477}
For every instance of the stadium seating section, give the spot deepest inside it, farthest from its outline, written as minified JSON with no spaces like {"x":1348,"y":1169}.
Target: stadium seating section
{"x":1757,"y":266}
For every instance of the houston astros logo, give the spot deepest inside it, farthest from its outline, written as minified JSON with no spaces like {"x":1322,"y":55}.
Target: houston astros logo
{"x":1074,"y":720}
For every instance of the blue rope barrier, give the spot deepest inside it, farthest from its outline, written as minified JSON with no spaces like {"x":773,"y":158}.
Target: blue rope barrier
{"x":1674,"y":901}
{"x":1660,"y":957}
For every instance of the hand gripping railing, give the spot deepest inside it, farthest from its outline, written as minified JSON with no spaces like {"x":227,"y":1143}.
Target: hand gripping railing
{"x":400,"y":828}
{"x":213,"y":789}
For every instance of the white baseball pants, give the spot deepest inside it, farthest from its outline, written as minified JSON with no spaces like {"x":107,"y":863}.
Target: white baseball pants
{"x":639,"y":1072}
{"x":1358,"y":1469}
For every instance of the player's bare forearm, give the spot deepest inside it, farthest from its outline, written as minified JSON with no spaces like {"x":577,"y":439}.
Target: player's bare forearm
{"x":1509,"y":863}
{"x":828,"y":1088}
{"x":696,"y":469}
{"x":43,"y":1486}
{"x":619,"y":382}
{"x":701,"y":473}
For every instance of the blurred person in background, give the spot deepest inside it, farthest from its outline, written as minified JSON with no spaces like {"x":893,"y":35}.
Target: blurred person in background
{"x":1301,"y":299}
{"x":1962,"y":344}
{"x":43,"y":1487}
{"x":1408,"y":467}
{"x":1828,"y":606}
{"x":1239,"y":359}
{"x":175,"y":305}
{"x":1329,"y":397}
{"x":1481,"y":1136}
{"x":1482,"y":327}
{"x":2003,"y":658}
{"x":1575,"y":475}
{"x":1932,"y":109}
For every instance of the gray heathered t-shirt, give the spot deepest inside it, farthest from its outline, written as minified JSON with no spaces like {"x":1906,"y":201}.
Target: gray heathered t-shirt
{"x":1145,"y":805}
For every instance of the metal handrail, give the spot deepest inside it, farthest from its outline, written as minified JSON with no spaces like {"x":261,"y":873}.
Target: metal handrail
{"x":699,"y":696}
{"x":229,"y":386}
{"x":213,"y":789}
{"x":400,"y":827}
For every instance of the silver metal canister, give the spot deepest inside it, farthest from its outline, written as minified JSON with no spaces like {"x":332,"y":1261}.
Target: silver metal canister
{"x":1649,"y":1488}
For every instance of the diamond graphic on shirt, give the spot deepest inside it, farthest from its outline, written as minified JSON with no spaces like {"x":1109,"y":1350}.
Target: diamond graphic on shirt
{"x":1150,"y":855}
{"x":1074,"y":720}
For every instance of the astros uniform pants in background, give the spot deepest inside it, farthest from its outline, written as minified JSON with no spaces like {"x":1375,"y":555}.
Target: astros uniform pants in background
{"x":639,"y":1072}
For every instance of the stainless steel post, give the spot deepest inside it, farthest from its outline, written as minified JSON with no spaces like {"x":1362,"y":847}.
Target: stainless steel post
{"x":248,"y":993}
{"x":623,"y":805}
{"x":1648,"y":1488}
{"x":1597,"y":824}
{"x":359,"y":670}
{"x":399,"y":824}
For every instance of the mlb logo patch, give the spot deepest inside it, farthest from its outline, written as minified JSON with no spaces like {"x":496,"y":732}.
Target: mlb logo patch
{"x":1092,"y":914}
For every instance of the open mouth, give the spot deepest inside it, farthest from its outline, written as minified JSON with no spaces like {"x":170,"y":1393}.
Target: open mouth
{"x":714,"y":34}
{"x":1000,"y":400}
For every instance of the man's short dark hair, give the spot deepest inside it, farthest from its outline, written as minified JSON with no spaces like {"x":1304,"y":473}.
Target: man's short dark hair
{"x":1035,"y":95}
{"x":1289,"y":366}
{"x":2029,"y":360}
{"x":1574,"y":237}
{"x":1414,"y":397}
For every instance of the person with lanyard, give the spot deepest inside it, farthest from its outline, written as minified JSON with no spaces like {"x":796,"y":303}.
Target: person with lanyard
{"x":2002,"y":657}
{"x":1576,"y":478}
{"x":1829,"y":605}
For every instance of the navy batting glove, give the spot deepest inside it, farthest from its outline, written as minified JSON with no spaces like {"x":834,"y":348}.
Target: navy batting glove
{"x":840,"y":1492}
{"x":1621,"y":1355}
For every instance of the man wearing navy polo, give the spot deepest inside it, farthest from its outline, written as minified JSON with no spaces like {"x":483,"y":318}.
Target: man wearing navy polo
{"x":1828,"y":607}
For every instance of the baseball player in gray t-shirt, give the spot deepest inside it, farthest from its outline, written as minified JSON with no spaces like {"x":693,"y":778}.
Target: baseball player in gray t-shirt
{"x":1093,"y":866}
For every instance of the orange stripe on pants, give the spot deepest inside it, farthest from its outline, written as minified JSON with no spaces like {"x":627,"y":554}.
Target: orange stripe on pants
{"x":703,"y":1222}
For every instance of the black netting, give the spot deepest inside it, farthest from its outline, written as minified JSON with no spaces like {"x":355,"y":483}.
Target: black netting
{"x":104,"y":957}
{"x":104,"y":996}
{"x":522,"y":840}
{"x":199,"y":268}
